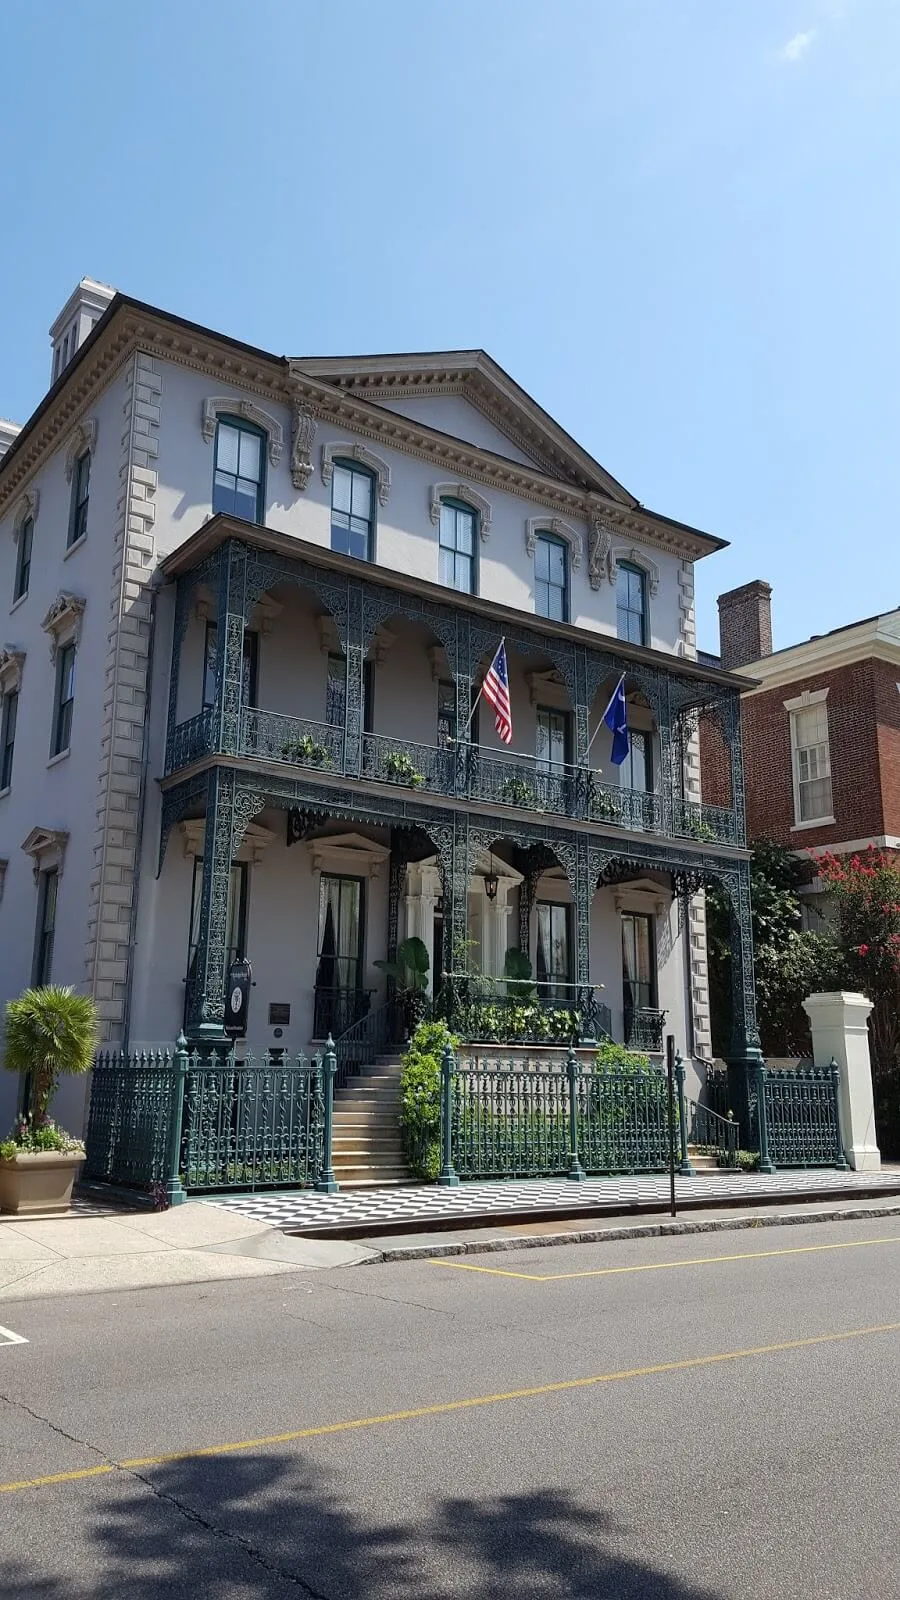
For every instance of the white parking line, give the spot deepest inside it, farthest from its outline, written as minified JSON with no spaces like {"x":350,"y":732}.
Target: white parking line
{"x":8,"y":1337}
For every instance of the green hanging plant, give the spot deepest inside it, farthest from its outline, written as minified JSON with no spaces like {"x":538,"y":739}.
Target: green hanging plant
{"x":401,"y":768}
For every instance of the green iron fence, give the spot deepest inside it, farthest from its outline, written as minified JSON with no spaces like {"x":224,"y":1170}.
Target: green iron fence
{"x":549,"y":1117}
{"x":799,"y":1116}
{"x":190,"y":1121}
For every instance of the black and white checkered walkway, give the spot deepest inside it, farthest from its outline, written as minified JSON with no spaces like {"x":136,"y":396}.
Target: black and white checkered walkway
{"x":422,"y":1205}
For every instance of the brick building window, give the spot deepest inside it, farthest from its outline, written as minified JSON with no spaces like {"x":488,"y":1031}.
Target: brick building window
{"x":811,"y":758}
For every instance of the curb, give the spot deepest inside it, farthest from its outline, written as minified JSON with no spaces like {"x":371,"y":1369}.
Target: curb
{"x":642,"y":1230}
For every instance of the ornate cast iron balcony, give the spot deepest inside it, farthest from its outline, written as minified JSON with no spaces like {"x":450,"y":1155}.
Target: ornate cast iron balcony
{"x":514,"y":780}
{"x":644,"y":1029}
{"x":296,"y":740}
{"x":192,"y":740}
{"x":468,"y":772}
{"x":628,"y":808}
{"x":411,"y":765}
{"x":715,"y":824}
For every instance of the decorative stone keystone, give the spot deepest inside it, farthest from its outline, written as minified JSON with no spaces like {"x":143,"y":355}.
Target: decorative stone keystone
{"x":839,"y":1032}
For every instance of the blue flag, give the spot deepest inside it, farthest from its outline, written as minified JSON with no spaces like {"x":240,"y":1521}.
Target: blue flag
{"x":616,"y":717}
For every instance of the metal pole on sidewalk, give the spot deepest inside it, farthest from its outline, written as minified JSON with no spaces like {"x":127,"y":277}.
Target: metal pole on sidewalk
{"x":670,"y":1075}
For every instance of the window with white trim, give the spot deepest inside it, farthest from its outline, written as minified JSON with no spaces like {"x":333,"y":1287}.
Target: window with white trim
{"x":812,"y":762}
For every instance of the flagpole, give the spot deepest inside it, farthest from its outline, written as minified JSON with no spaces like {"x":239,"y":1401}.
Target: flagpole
{"x":602,"y":721}
{"x":481,"y":691}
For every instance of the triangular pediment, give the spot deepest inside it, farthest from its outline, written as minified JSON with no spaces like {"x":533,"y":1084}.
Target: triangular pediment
{"x":466,"y":395}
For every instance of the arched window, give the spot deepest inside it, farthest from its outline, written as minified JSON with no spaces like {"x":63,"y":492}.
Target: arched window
{"x":631,"y":603}
{"x":459,"y":531}
{"x":352,"y":508}
{"x":551,"y":577}
{"x":239,"y":475}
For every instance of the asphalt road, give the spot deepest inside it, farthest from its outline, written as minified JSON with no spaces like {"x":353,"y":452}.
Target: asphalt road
{"x":542,"y":1427}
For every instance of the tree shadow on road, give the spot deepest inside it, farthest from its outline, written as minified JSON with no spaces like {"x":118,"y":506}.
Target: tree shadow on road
{"x":268,"y":1526}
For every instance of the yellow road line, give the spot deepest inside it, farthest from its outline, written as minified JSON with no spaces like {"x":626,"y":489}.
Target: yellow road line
{"x":447,"y":1407}
{"x":661,"y":1266}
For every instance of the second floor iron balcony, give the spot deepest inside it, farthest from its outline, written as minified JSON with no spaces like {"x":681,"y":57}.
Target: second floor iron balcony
{"x":462,"y":771}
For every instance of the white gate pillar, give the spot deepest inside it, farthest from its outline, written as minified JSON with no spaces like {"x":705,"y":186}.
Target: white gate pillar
{"x":838,"y":1024}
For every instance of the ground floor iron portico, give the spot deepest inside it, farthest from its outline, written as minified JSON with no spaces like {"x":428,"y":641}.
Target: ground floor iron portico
{"x":316,"y":884}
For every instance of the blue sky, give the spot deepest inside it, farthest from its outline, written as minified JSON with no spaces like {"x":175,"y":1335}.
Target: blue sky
{"x":675,"y":222}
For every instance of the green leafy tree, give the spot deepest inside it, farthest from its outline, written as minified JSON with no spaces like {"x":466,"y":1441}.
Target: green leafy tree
{"x":789,"y":963}
{"x":49,"y":1032}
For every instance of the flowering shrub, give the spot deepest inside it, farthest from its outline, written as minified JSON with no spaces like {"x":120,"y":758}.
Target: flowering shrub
{"x":866,"y":891}
{"x":29,"y":1137}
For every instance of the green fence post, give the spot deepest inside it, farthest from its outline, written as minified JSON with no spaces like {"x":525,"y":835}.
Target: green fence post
{"x":327,"y":1183}
{"x":684,"y":1166}
{"x":175,"y":1194}
{"x":448,"y":1177}
{"x":765,"y":1161}
{"x":841,"y":1161}
{"x":576,"y":1171}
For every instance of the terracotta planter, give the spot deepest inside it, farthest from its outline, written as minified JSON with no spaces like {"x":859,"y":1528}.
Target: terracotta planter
{"x":36,"y":1182}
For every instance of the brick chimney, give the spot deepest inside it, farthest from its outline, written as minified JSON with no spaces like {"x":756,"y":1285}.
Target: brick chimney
{"x":745,"y":624}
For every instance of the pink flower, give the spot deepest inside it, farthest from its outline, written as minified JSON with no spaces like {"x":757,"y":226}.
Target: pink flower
{"x":863,"y":950}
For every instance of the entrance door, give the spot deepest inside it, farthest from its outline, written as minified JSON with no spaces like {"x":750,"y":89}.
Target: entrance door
{"x":553,"y":969}
{"x":339,"y":996}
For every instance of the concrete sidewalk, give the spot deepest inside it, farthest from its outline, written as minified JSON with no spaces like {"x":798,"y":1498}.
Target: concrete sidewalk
{"x":100,"y":1247}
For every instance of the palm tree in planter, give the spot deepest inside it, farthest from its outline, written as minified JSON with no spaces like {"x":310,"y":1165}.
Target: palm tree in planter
{"x":50,"y":1031}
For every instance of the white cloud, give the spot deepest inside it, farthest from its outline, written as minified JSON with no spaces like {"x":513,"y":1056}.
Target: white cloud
{"x":798,"y":46}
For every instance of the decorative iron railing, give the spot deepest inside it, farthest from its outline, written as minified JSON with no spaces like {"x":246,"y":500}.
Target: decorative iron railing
{"x":623,"y":1120}
{"x":408,"y":764}
{"x":517,"y":780}
{"x":380,"y":1030}
{"x":521,"y":1011}
{"x":295,"y":740}
{"x":625,"y":808}
{"x":801,"y":1121}
{"x":713,"y":1134}
{"x":336,"y":1010}
{"x":644,"y":1029}
{"x":131,"y":1119}
{"x":715,"y":824}
{"x":253,"y":1123}
{"x":191,"y":740}
{"x":550,"y":1117}
{"x":175,"y":1121}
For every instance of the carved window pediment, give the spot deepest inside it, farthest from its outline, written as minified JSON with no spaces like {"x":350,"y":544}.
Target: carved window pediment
{"x":637,"y":558}
{"x":47,"y":848}
{"x":468,"y":496}
{"x":350,"y":451}
{"x":26,"y":508}
{"x":11,"y":664}
{"x":63,"y":621}
{"x":561,"y":530}
{"x":232,"y":406}
{"x":349,"y":853}
{"x":256,"y":839}
{"x":81,"y":439}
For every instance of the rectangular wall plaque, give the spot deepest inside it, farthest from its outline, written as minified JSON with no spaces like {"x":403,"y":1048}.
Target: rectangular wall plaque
{"x":279,"y":1014}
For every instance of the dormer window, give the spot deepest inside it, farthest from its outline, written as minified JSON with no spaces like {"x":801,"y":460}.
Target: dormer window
{"x":81,"y":489}
{"x":457,"y":544}
{"x":239,"y":475}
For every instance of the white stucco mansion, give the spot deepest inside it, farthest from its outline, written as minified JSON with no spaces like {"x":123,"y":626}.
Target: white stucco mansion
{"x":248,"y":601}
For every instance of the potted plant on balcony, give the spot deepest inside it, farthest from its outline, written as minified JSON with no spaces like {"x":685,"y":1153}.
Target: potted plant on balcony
{"x":305,"y":751}
{"x":400,"y":768}
{"x":519,"y":792}
{"x":49,"y":1031}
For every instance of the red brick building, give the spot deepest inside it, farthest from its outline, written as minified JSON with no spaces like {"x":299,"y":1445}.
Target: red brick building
{"x":821,"y":729}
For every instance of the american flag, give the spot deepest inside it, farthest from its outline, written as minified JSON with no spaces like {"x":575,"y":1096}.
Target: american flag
{"x":496,"y":692}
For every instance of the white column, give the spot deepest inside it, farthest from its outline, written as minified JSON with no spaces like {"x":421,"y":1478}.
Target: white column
{"x":422,"y":888}
{"x":495,"y":930}
{"x":838,"y":1024}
